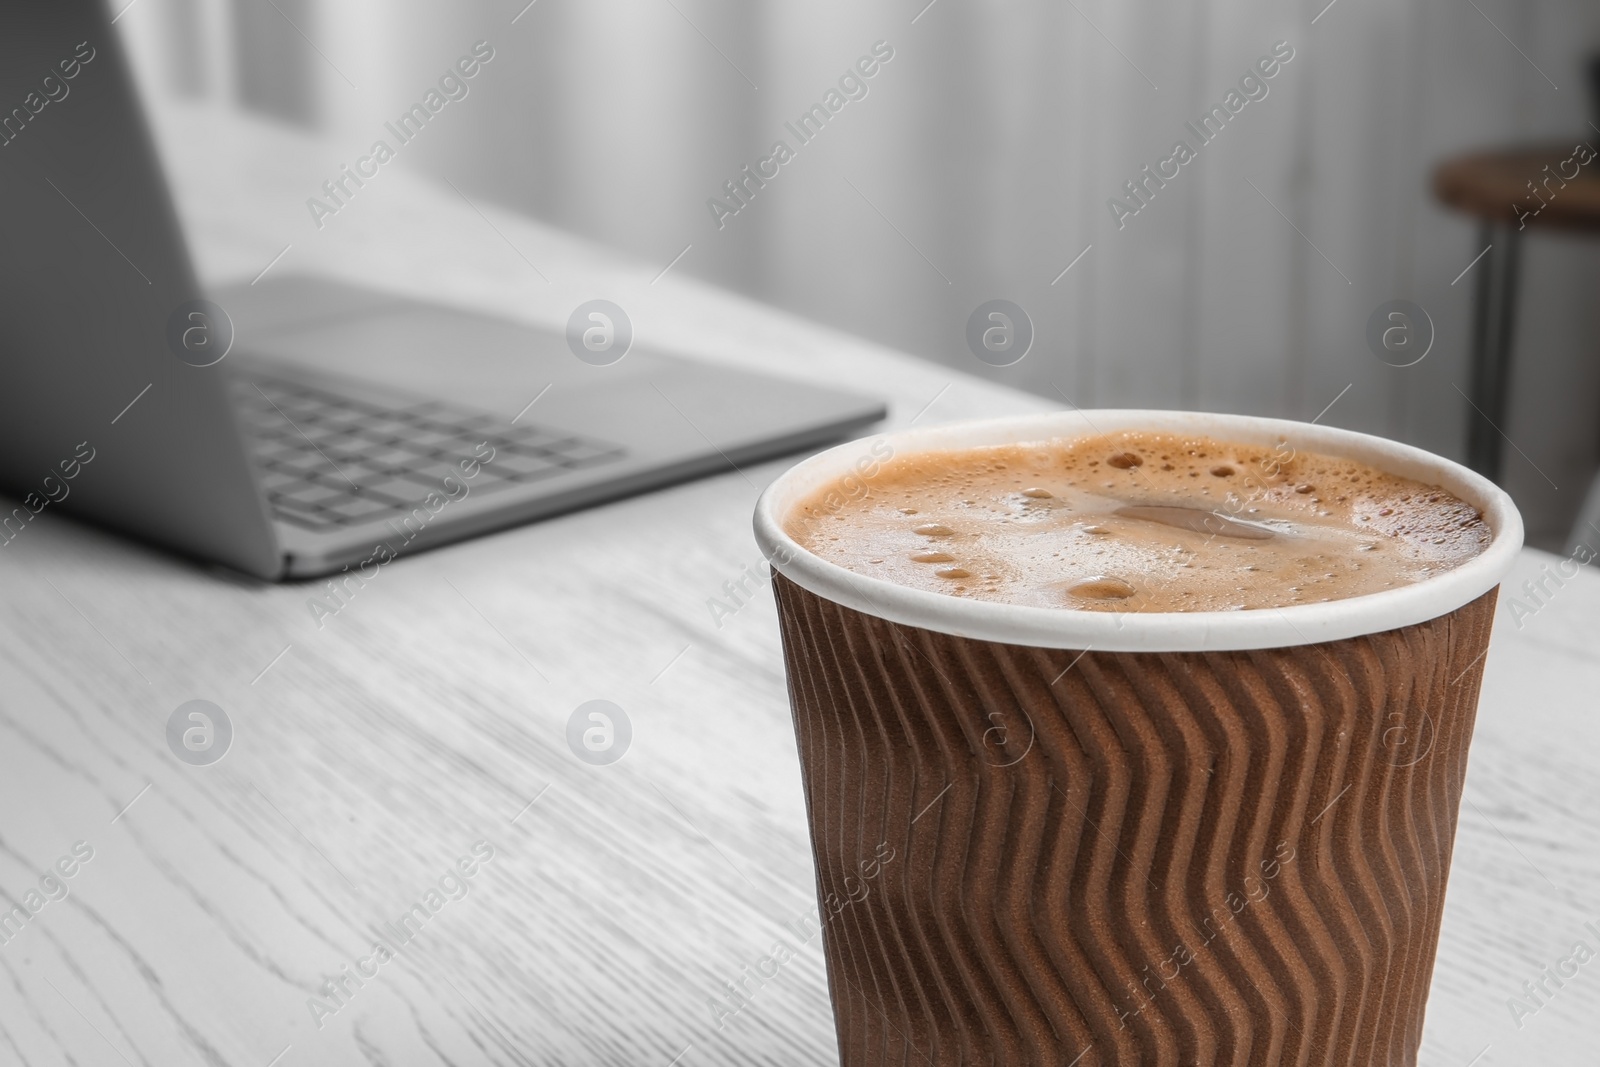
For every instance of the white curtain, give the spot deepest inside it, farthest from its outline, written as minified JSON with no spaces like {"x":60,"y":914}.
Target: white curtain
{"x":980,"y":162}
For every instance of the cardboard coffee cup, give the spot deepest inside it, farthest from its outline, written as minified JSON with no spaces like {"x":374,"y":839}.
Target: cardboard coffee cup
{"x":1046,"y":836}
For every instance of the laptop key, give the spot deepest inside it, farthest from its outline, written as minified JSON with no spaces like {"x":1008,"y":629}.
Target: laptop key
{"x":400,"y":490}
{"x":432,"y":473}
{"x":430,"y":438}
{"x":383,"y":431}
{"x":389,"y":458}
{"x":351,"y":461}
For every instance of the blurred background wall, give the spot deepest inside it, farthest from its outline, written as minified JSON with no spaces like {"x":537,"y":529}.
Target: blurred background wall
{"x":979,"y":165}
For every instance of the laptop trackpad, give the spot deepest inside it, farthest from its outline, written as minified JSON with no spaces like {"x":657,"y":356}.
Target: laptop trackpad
{"x":489,"y":364}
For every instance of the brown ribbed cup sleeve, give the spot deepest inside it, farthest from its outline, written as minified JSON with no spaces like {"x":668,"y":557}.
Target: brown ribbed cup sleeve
{"x":1038,"y":856}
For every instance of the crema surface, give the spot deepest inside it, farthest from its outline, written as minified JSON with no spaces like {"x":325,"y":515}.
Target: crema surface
{"x":1139,"y":521}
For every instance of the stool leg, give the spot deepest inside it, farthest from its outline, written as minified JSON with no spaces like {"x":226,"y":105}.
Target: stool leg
{"x":1493,"y":338}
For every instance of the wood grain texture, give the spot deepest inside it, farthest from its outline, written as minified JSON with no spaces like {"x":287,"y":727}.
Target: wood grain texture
{"x":1494,"y":186}
{"x":371,"y":754}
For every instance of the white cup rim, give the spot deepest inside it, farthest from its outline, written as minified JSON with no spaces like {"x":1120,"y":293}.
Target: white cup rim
{"x":1199,"y":631}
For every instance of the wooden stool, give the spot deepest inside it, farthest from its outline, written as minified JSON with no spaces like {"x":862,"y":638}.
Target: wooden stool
{"x":1509,"y":192}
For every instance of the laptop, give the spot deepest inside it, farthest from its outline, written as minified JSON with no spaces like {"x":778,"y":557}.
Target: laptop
{"x":300,"y":426}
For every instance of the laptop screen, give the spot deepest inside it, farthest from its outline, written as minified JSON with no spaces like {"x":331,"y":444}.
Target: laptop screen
{"x":100,"y":302}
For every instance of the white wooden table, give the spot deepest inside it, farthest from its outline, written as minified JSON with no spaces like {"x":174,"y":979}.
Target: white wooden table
{"x":371,"y":755}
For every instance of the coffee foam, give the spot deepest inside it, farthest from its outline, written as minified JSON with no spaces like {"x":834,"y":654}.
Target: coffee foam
{"x":1139,"y":521}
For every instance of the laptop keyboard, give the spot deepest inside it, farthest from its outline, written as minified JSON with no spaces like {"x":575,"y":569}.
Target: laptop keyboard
{"x":327,"y":460}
